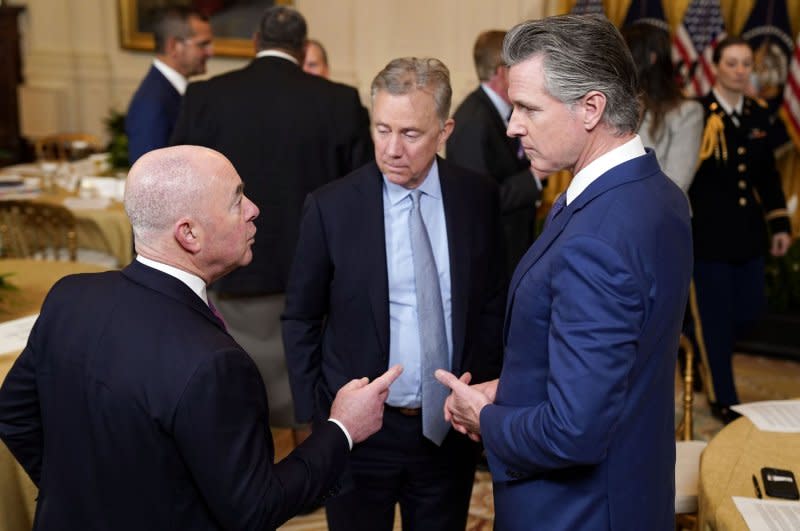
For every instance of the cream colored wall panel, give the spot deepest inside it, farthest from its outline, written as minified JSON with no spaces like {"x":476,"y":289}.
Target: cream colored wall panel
{"x":43,"y":110}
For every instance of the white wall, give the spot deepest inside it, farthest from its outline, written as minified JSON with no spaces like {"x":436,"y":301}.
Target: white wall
{"x":75,"y":70}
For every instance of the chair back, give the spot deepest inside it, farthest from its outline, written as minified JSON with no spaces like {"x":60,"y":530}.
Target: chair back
{"x":67,"y":146}
{"x":29,"y":229}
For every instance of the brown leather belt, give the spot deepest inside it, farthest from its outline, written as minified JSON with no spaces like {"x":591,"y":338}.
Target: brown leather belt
{"x":406,"y":411}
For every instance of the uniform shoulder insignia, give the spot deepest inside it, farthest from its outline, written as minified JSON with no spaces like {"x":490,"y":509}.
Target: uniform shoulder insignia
{"x":761,"y":102}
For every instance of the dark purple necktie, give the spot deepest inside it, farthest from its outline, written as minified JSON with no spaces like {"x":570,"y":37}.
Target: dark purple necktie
{"x":217,"y":314}
{"x":558,"y":206}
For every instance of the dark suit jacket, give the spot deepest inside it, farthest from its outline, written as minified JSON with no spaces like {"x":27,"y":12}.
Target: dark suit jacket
{"x":581,"y":435}
{"x":132,"y":408}
{"x":735,"y":198}
{"x":479,"y":143}
{"x":286,"y":133}
{"x":151,"y":116}
{"x":336,"y":322}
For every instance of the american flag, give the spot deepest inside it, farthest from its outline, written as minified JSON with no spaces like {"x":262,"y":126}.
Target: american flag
{"x":790,"y":110}
{"x":693,"y":45}
{"x":586,"y":7}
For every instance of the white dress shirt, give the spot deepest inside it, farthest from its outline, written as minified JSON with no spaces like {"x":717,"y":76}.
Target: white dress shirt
{"x":629,"y":150}
{"x":174,"y":77}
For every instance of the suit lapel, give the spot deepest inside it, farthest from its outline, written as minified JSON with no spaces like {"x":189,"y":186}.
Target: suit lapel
{"x":456,"y":218}
{"x":170,"y":287}
{"x":373,"y":245}
{"x":632,"y":170}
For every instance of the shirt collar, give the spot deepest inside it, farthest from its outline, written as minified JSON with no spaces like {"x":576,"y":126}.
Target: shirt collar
{"x":726,"y":107}
{"x":503,"y":108}
{"x":430,"y":186}
{"x":629,"y":150}
{"x":195,"y":283}
{"x":174,"y":77}
{"x":276,"y":53}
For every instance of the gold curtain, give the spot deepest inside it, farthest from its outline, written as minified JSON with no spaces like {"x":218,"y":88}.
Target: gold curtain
{"x":734,"y":13}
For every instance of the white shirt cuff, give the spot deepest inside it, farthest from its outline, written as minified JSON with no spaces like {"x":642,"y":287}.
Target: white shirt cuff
{"x":346,"y":433}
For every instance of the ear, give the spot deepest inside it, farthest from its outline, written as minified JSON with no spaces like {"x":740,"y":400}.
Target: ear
{"x":446,"y":131}
{"x":593,"y":105}
{"x":172,"y":46}
{"x":187,"y":235}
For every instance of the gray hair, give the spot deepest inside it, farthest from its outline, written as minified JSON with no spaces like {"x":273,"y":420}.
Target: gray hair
{"x":174,"y":21}
{"x":162,"y":186}
{"x":581,"y":53}
{"x":407,"y":74}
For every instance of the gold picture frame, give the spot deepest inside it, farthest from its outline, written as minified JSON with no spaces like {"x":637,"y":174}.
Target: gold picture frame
{"x":134,"y":35}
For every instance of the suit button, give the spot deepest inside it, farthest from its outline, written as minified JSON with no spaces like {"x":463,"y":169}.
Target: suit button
{"x":742,"y":167}
{"x":741,"y":150}
{"x":742,"y":184}
{"x":742,"y":201}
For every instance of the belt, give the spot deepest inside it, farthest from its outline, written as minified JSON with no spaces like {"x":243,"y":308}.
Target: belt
{"x":406,"y":411}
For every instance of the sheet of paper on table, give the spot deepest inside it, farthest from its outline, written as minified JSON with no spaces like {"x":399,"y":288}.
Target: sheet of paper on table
{"x":774,"y":515}
{"x":14,"y":334}
{"x":773,"y":415}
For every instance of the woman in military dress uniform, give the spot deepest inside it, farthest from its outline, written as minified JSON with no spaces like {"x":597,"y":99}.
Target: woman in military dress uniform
{"x":739,"y":214}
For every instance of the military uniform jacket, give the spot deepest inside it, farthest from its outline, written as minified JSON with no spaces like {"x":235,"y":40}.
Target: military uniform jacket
{"x":736,"y":191}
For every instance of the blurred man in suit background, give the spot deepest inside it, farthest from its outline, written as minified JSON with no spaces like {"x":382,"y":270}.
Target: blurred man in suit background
{"x":183,"y":45}
{"x":287,"y":133}
{"x":399,"y":262}
{"x":479,"y":143}
{"x":140,"y":411}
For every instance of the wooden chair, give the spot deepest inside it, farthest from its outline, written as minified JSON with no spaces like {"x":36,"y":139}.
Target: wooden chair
{"x":37,"y":230}
{"x":67,"y":146}
{"x":687,"y":450}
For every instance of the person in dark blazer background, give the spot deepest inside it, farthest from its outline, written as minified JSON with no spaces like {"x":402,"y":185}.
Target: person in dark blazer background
{"x":183,"y":45}
{"x":579,"y":429}
{"x":739,"y":216}
{"x":353,"y":304}
{"x":287,"y":133}
{"x":479,"y":143}
{"x":140,"y":411}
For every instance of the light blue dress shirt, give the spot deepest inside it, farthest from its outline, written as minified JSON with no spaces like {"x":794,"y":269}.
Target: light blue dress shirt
{"x":404,"y":347}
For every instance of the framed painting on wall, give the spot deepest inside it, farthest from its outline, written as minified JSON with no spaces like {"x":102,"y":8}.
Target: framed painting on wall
{"x":232,"y":21}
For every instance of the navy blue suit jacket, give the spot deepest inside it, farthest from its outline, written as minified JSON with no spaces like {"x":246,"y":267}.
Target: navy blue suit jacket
{"x":132,"y":408}
{"x":581,"y":435}
{"x":336,"y":321}
{"x":152,"y":114}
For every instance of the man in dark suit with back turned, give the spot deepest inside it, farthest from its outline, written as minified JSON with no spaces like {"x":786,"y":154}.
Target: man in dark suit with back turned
{"x":383,"y":275}
{"x":183,"y":45}
{"x":131,"y":406}
{"x":479,"y":143}
{"x":287,"y":133}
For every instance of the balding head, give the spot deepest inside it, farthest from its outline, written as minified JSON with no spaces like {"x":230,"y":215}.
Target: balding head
{"x":164,"y":185}
{"x":187,"y":208}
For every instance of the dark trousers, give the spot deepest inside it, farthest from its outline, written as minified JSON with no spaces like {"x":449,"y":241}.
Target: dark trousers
{"x":398,"y":465}
{"x":730,"y":297}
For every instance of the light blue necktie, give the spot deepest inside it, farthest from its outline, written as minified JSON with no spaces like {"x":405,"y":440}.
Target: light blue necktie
{"x":430,"y":318}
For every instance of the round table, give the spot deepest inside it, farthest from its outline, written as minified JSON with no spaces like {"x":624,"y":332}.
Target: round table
{"x":727,"y":465}
{"x":33,"y":279}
